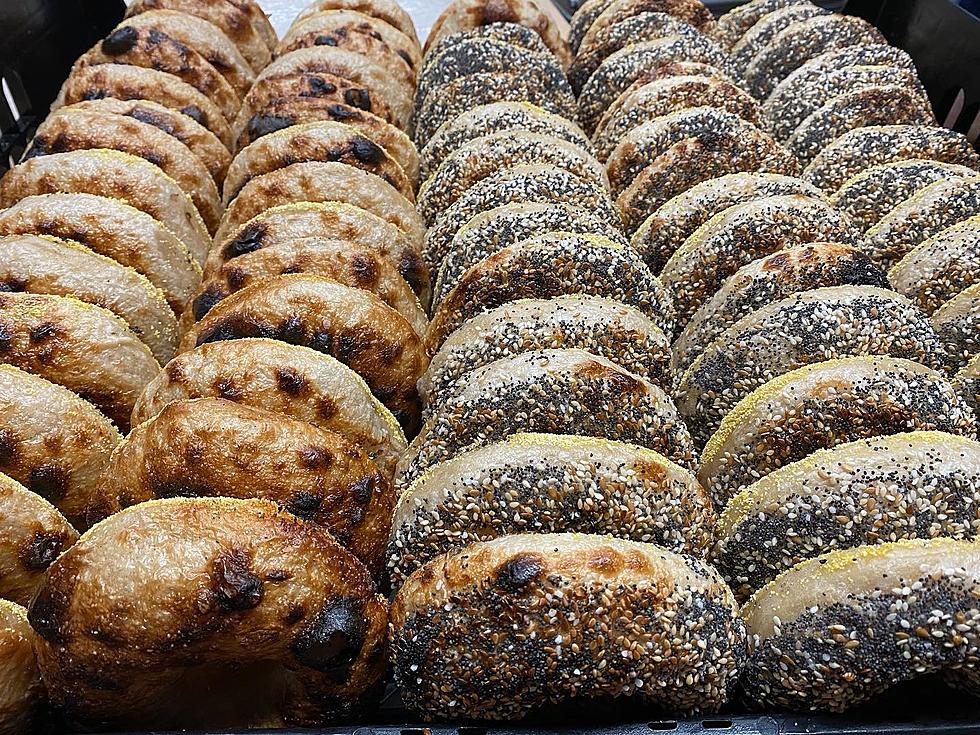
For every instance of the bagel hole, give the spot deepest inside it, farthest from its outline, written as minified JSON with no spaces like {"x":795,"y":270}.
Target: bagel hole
{"x":663,"y":725}
{"x":716,"y":724}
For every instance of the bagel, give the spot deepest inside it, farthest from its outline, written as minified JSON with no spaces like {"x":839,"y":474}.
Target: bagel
{"x":462,"y":15}
{"x":115,"y":230}
{"x":619,"y":70}
{"x":903,"y":593}
{"x":34,"y":534}
{"x":761,"y":34}
{"x":211,"y":447}
{"x":926,"y":213}
{"x":524,"y":184}
{"x":801,"y":41}
{"x":43,"y":265}
{"x":288,"y":112}
{"x":549,"y":265}
{"x":481,"y":157}
{"x":396,"y":93}
{"x":151,"y":48}
{"x":387,"y":10}
{"x":310,"y":649}
{"x":330,"y":27}
{"x":692,"y":12}
{"x":318,"y":141}
{"x":588,"y":598}
{"x":957,"y":322}
{"x":936,"y":270}
{"x":920,"y":484}
{"x":822,"y":405}
{"x":669,"y":96}
{"x":290,"y":380}
{"x":52,"y":441}
{"x":516,"y":486}
{"x":607,"y":328}
{"x":812,"y":326}
{"x":317,"y":182}
{"x":353,"y":325}
{"x":71,"y":128}
{"x":735,"y":23}
{"x":126,"y":82}
{"x":113,"y":175}
{"x":239,"y":21}
{"x":768,"y":279}
{"x":83,"y":347}
{"x":740,"y":234}
{"x":548,"y":391}
{"x":643,"y":144}
{"x":514,"y":34}
{"x":496,"y":117}
{"x":693,"y":160}
{"x":664,"y":231}
{"x":277,"y":227}
{"x":22,"y":691}
{"x":967,"y":383}
{"x":863,"y":148}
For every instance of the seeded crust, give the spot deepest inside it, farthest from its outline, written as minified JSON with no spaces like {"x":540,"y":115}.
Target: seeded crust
{"x":548,"y":265}
{"x":21,"y":693}
{"x":396,"y":93}
{"x":668,"y":97}
{"x":761,"y":34}
{"x":691,"y":161}
{"x":322,"y":182}
{"x":113,"y":229}
{"x":334,"y":27}
{"x":921,"y":484}
{"x":582,"y":19}
{"x":644,"y":26}
{"x":873,"y":193}
{"x":353,"y":325}
{"x":238,"y":583}
{"x":387,"y":10}
{"x":769,"y":279}
{"x":619,"y":70}
{"x":872,"y":105}
{"x":236,"y":22}
{"x":463,"y":15}
{"x":153,"y":49}
{"x":936,"y":270}
{"x":546,"y":483}
{"x":43,"y":265}
{"x":736,"y":22}
{"x":918,"y":598}
{"x":740,"y":234}
{"x":483,"y":156}
{"x":822,"y":405}
{"x":34,"y":533}
{"x":923,"y":215}
{"x":957,"y":322}
{"x":967,"y":383}
{"x":565,"y":391}
{"x":289,"y":380}
{"x":692,"y":12}
{"x":664,"y":231}
{"x":121,"y":81}
{"x":317,"y":141}
{"x":812,"y":326}
{"x":645,"y":143}
{"x":527,"y":183}
{"x":607,"y":328}
{"x":114,"y":175}
{"x":513,"y":34}
{"x":495,"y":118}
{"x":863,"y":148}
{"x":589,"y":599}
{"x":801,"y":41}
{"x":276,"y":228}
{"x":70,"y":129}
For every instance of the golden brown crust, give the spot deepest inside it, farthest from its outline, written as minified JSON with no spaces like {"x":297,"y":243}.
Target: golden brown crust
{"x":21,"y":691}
{"x":353,"y":325}
{"x":387,"y":10}
{"x":83,"y":347}
{"x":32,"y":535}
{"x":231,"y":585}
{"x":335,"y":26}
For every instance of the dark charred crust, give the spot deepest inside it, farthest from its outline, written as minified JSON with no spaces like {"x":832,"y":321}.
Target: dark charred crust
{"x":365,"y":269}
{"x":366,"y":150}
{"x":291,"y":382}
{"x":324,"y":40}
{"x":13,"y":284}
{"x":363,"y":489}
{"x":47,"y":614}
{"x":326,"y":408}
{"x":519,"y":572}
{"x":44,"y":331}
{"x":42,"y":549}
{"x":333,"y":640}
{"x":226,"y":388}
{"x":153,"y":118}
{"x":206,"y":300}
{"x":235,"y":585}
{"x":248,"y":241}
{"x":120,"y":41}
{"x":315,"y":457}
{"x":49,"y":481}
{"x":194,"y":113}
{"x":9,"y":447}
{"x":263,"y":123}
{"x":305,"y":504}
{"x":359,"y":98}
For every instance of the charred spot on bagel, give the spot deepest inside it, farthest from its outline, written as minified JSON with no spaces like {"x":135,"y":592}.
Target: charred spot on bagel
{"x":49,"y":481}
{"x":225,"y":388}
{"x":9,"y":447}
{"x":333,"y":639}
{"x":263,"y":123}
{"x":42,"y":549}
{"x":519,"y":572}
{"x":325,"y":40}
{"x":120,"y":41}
{"x":305,"y":504}
{"x":13,"y":284}
{"x":363,"y":489}
{"x":248,"y":241}
{"x":314,"y":457}
{"x":366,"y":150}
{"x":195,"y":113}
{"x":48,"y":612}
{"x":206,"y":300}
{"x":235,"y":585}
{"x":326,"y":408}
{"x":291,"y":382}
{"x":170,"y":489}
{"x":359,"y":98}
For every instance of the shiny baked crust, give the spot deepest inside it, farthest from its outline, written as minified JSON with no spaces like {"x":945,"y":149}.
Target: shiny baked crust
{"x":335,"y":24}
{"x":115,"y":230}
{"x":54,"y":443}
{"x":589,"y":598}
{"x":21,"y":691}
{"x":286,"y":619}
{"x":353,"y":325}
{"x":45,"y":265}
{"x":32,"y":536}
{"x":387,"y":10}
{"x":290,"y":380}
